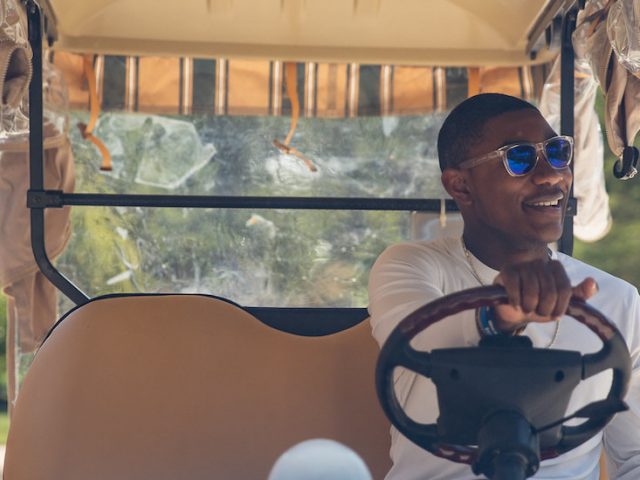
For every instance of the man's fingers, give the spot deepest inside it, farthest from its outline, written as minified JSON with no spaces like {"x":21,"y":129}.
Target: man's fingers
{"x":586,"y":289}
{"x":542,"y":288}
{"x":510,"y":280}
{"x":563,"y":289}
{"x":530,"y":289}
{"x":548,"y":300}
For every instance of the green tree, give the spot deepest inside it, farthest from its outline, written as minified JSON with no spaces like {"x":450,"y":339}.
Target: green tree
{"x":266,"y":257}
{"x":3,"y":345}
{"x":617,"y":253}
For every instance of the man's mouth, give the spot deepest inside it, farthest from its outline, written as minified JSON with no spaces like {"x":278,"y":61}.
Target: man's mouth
{"x":554,"y":203}
{"x":552,"y":200}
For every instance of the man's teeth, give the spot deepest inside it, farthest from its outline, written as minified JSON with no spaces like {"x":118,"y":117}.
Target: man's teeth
{"x":544,"y":204}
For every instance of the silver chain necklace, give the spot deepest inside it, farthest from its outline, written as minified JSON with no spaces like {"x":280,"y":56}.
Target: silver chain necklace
{"x":477,"y":277}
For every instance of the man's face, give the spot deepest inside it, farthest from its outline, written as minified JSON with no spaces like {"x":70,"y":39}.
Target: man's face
{"x":513,"y":206}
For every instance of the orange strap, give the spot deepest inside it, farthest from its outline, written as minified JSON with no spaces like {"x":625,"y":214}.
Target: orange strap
{"x":603,"y":466}
{"x":473,"y":74}
{"x":94,"y":104}
{"x":291,"y":79}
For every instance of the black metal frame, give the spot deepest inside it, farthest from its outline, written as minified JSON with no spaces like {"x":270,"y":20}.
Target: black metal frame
{"x":36,"y":159}
{"x":567,"y":114}
{"x":38,"y":199}
{"x":58,"y":199}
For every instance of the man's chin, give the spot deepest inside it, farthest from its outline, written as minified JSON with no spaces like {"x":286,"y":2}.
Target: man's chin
{"x":547,"y":234}
{"x":550,"y":237}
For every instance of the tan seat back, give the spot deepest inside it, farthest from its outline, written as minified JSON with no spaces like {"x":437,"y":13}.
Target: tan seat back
{"x":187,"y":386}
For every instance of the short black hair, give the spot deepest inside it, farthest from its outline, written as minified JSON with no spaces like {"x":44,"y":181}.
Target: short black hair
{"x":463,"y":127}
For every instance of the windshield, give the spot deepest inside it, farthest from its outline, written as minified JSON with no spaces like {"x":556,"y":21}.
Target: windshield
{"x":255,"y":257}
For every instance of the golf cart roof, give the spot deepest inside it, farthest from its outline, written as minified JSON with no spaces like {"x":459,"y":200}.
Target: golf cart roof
{"x":436,"y":32}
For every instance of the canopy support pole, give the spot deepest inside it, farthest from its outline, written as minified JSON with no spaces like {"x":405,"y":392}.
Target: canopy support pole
{"x":36,"y":160}
{"x":567,"y":81}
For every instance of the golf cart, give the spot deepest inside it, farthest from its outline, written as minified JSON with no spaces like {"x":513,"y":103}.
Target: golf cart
{"x":156,"y":384}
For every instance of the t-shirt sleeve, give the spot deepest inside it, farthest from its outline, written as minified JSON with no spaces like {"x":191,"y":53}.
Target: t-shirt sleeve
{"x":622,"y":435}
{"x":404,"y":278}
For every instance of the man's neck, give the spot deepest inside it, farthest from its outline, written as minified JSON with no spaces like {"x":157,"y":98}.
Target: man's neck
{"x":496,"y":252}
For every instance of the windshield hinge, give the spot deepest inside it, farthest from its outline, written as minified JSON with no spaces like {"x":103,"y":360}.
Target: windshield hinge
{"x":45,"y":199}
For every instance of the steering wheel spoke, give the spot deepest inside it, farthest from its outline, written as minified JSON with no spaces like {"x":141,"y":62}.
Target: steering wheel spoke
{"x":416,"y":361}
{"x":612,"y":355}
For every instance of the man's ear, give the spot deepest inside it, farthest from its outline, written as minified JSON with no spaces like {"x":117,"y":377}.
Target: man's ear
{"x":455,"y":183}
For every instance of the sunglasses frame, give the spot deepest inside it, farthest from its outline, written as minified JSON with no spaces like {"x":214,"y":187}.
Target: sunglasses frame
{"x":501,"y":153}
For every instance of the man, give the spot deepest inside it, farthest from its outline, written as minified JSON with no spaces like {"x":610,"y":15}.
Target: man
{"x":509,"y":173}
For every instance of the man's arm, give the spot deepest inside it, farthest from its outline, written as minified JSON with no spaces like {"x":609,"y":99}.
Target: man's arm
{"x":622,"y":435}
{"x":404,"y":278}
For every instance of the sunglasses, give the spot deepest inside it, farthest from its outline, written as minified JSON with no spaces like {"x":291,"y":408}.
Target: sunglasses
{"x":521,"y":158}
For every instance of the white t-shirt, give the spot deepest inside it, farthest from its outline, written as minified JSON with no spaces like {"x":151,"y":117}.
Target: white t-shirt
{"x":409,"y":275}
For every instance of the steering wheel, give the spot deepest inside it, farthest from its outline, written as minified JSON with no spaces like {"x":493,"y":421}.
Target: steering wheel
{"x":462,"y":448}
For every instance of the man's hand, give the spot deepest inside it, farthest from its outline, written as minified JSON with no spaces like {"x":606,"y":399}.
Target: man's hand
{"x":538,"y":291}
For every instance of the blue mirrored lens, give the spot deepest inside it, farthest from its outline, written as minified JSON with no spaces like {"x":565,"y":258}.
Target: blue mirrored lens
{"x":521,"y":159}
{"x":559,"y":152}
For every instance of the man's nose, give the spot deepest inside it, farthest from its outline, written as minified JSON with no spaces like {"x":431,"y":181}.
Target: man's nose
{"x":544,"y":173}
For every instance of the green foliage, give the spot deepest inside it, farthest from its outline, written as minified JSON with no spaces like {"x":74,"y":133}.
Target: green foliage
{"x":272,"y":257}
{"x":4,"y":427}
{"x":616,"y":253}
{"x":3,"y":356}
{"x":255,"y":257}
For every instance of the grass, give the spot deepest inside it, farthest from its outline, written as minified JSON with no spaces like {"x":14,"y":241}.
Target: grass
{"x":4,"y":427}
